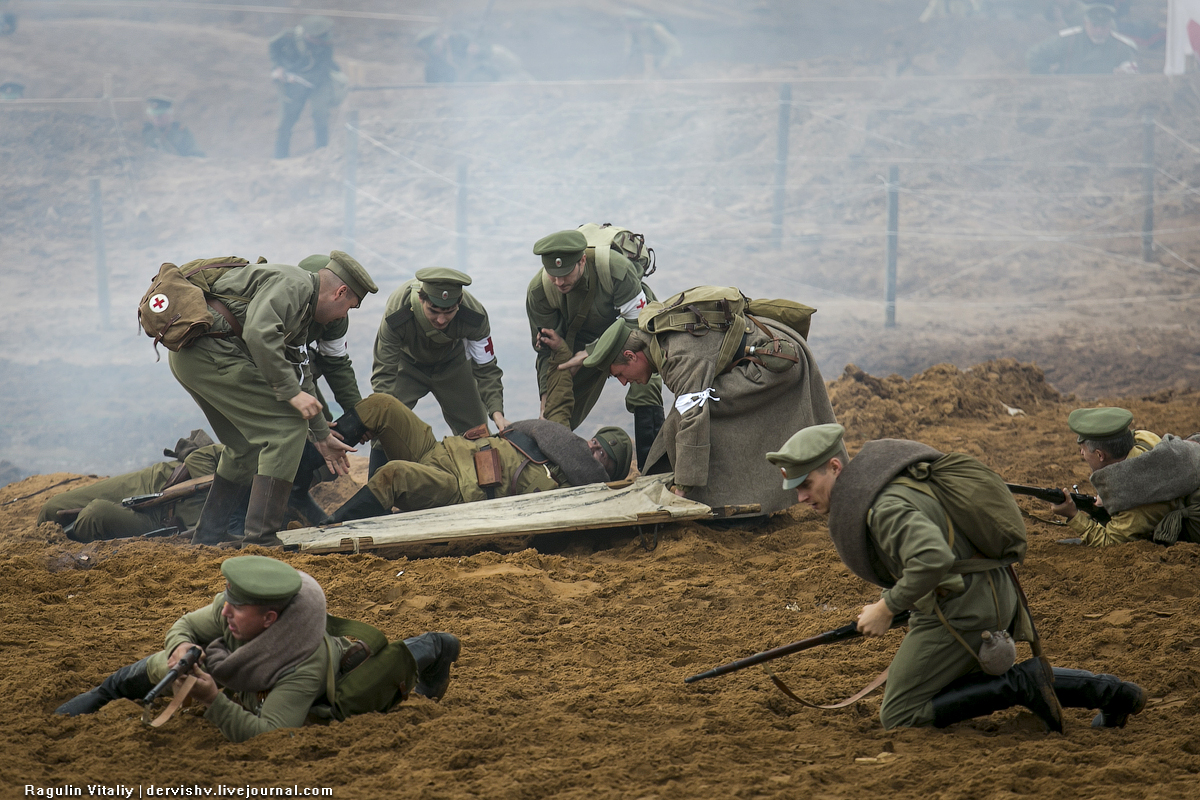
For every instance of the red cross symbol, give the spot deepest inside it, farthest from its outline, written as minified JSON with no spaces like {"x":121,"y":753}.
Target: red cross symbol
{"x":158,"y":302}
{"x":487,"y":348}
{"x":641,"y":303}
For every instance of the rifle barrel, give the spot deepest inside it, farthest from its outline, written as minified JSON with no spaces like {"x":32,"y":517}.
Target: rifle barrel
{"x":844,"y":633}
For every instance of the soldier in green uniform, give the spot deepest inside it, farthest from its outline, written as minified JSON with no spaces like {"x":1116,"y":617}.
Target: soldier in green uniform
{"x":1093,"y":48}
{"x":329,"y":352}
{"x":97,"y":511}
{"x":162,"y":131}
{"x":305,"y":72}
{"x":897,"y":537}
{"x":1105,"y":439}
{"x":267,"y":657}
{"x":578,"y":300}
{"x":533,"y":456}
{"x":436,"y":337}
{"x":250,"y":377}
{"x":722,"y":424}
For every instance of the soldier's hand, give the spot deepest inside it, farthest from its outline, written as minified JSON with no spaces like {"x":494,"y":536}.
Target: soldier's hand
{"x":180,"y":651}
{"x":575,"y":362}
{"x":548,"y":337}
{"x":875,"y":619}
{"x":306,"y":404}
{"x":1066,"y":508}
{"x":205,"y":691}
{"x":501,"y":422}
{"x":334,"y":451}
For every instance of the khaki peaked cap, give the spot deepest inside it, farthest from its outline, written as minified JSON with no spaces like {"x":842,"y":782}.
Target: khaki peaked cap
{"x":1099,"y":423}
{"x":560,"y":251}
{"x":352,"y":273}
{"x":258,"y":580}
{"x":808,"y":449}
{"x":619,"y":447}
{"x":609,"y":345}
{"x":443,"y":286}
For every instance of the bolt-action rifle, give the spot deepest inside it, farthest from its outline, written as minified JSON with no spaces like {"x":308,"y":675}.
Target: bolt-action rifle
{"x":1088,"y":504}
{"x":842,"y":634}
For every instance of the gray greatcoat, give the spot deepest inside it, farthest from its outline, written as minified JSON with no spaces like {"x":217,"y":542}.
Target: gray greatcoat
{"x":718,"y":450}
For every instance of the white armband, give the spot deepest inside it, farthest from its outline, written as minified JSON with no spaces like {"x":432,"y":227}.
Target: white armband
{"x":333,"y":348}
{"x":481,"y":351}
{"x":686,"y":402}
{"x":630,"y":310}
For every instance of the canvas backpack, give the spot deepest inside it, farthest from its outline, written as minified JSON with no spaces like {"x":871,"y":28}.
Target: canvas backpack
{"x":175,"y":310}
{"x":725,"y":310}
{"x":375,"y":675}
{"x":978,"y":506}
{"x":602,"y":240}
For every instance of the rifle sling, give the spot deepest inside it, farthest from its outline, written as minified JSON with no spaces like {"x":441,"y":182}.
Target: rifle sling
{"x":176,"y":702}
{"x":878,"y":681}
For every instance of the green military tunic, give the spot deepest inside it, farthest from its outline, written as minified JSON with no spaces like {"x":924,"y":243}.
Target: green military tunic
{"x":424,"y":473}
{"x":717,"y":448}
{"x":176,"y":139}
{"x":103,"y":516}
{"x":908,"y":529}
{"x":1072,"y":52}
{"x":245,"y":715}
{"x":243,"y":383}
{"x":580,"y":317}
{"x":458,"y":364}
{"x":1135,"y":523}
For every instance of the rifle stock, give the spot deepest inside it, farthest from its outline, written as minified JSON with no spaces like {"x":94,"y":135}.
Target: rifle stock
{"x":180,"y":491}
{"x":1088,"y":504}
{"x":842,"y":634}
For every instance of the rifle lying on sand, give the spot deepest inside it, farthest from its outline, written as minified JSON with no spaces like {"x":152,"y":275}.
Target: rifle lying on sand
{"x":842,"y":634}
{"x":1088,"y":504}
{"x":182,"y":667}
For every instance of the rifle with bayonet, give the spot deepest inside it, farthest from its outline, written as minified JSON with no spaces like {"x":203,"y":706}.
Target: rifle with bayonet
{"x":842,"y":634}
{"x":1088,"y":504}
{"x":182,"y":667}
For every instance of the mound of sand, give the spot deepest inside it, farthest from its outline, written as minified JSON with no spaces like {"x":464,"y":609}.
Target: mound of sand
{"x":895,"y":408}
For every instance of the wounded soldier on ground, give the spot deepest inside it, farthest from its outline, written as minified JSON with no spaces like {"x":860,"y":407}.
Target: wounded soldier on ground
{"x":534,"y":455}
{"x":1143,"y":480}
{"x":95,"y":512}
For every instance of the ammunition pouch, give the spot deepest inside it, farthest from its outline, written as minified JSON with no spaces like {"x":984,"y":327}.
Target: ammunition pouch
{"x":488,"y":470}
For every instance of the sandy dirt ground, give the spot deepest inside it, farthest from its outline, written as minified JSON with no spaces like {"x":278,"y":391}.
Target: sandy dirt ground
{"x":1021,"y":286}
{"x":570,"y":682}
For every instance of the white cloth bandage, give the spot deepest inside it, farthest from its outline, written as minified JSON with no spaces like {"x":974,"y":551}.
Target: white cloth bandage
{"x":630,"y":310}
{"x":481,"y":351}
{"x":334,"y":348}
{"x":686,"y":402}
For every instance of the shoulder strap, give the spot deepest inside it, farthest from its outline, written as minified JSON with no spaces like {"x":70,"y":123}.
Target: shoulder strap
{"x":576,"y":324}
{"x":398,"y":319}
{"x":602,"y":256}
{"x":470,"y":317}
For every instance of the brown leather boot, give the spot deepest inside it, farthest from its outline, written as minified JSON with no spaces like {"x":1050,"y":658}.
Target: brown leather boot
{"x":268,"y":507}
{"x":224,"y":497}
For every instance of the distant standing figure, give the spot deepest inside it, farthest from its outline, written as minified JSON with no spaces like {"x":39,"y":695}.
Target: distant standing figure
{"x":11,"y":90}
{"x":650,"y":46}
{"x":1093,"y":48}
{"x":305,"y":72}
{"x":163,"y":132}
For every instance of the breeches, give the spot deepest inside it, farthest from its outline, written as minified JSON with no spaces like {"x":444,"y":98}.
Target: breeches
{"x":262,"y":435}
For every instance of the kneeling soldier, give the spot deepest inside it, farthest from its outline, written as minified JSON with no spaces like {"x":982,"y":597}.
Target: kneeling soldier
{"x":897,"y":537}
